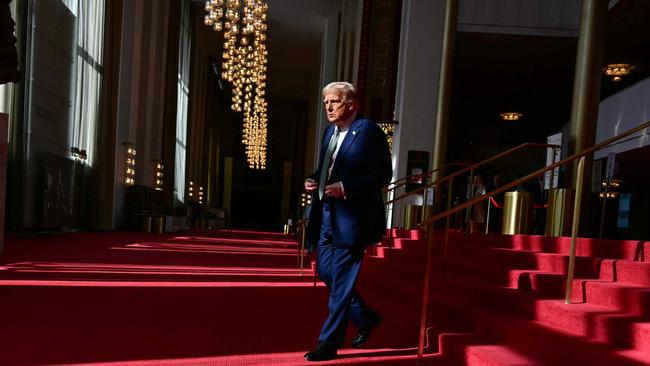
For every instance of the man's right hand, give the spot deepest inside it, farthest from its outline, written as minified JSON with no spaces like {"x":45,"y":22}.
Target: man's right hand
{"x":310,"y":185}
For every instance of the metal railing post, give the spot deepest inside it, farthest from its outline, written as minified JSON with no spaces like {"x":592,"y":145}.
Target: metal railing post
{"x":487,"y":220}
{"x":423,"y":215}
{"x":302,"y":247}
{"x":551,"y":183}
{"x":470,"y":193}
{"x":425,"y":291}
{"x":449,"y":195}
{"x":574,"y":229}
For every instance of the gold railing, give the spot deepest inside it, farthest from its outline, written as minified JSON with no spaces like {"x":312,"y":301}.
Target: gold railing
{"x":392,"y":187}
{"x":301,"y":226}
{"x":471,"y":169}
{"x":410,"y":178}
{"x":574,"y":231}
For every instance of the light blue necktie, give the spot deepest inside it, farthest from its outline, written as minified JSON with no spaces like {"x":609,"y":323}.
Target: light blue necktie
{"x":326,"y":162}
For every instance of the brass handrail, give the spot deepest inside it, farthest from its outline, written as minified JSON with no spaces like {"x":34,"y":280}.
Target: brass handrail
{"x":473,"y":167}
{"x":420,"y":175}
{"x":302,"y":227}
{"x":575,"y":224}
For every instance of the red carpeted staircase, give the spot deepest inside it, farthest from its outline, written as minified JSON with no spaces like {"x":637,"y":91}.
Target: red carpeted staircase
{"x":238,"y":298}
{"x":507,"y":291}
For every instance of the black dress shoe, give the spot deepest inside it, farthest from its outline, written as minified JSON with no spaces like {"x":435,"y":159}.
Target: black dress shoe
{"x":364,"y":334}
{"x":322,"y":352}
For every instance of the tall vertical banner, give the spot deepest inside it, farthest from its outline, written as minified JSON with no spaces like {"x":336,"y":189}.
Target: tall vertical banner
{"x":4,"y":125}
{"x":553,"y":155}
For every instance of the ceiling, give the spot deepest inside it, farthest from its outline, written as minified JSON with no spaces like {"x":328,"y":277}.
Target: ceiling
{"x":495,"y":73}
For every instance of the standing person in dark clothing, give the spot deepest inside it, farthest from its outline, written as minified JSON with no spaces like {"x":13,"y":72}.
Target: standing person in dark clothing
{"x":536,"y":189}
{"x":496,"y":205}
{"x":347,"y":214}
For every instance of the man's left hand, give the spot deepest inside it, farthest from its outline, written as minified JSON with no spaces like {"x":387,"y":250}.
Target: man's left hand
{"x":334,"y":190}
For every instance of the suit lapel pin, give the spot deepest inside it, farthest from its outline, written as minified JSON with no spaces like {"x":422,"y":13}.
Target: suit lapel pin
{"x":354,"y":133}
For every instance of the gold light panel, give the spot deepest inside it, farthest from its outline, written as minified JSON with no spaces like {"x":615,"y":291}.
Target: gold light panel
{"x":305,"y":199}
{"x":129,"y":174}
{"x":158,"y":175}
{"x":190,"y":190}
{"x":511,"y":116}
{"x":200,"y":195}
{"x":243,"y":23}
{"x":617,"y":71}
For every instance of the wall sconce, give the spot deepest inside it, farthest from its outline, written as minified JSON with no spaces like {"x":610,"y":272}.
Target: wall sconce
{"x":190,"y":190}
{"x":610,"y":190}
{"x":609,"y":195}
{"x":617,"y":71}
{"x":200,"y":195}
{"x":305,"y":199}
{"x":511,"y":116}
{"x":612,"y":184}
{"x":158,"y":175}
{"x":129,"y":179}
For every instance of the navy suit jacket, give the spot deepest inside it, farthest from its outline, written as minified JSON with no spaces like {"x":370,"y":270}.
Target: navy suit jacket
{"x":363,"y":165}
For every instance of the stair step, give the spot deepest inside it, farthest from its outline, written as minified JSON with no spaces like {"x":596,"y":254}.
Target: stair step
{"x":538,"y":341}
{"x":594,"y":322}
{"x":406,"y":233}
{"x":633,"y":272}
{"x":629,"y":298}
{"x":543,"y":283}
{"x":496,"y":355}
{"x":640,"y":338}
{"x":641,"y":358}
{"x":603,"y":248}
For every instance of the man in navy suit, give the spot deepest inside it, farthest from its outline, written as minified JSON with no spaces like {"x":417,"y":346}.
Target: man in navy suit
{"x":347,"y":214}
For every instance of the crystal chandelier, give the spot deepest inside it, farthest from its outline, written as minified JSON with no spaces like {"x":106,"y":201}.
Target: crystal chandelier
{"x":244,"y":66}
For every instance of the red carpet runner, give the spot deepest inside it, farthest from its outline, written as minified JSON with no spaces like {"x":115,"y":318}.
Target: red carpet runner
{"x":206,"y":298}
{"x":237,"y":298}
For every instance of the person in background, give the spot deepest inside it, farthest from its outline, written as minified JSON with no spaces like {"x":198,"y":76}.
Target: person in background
{"x":496,"y":210}
{"x":479,"y":210}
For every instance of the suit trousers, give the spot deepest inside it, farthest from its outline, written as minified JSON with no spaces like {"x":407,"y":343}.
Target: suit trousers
{"x":339,"y":267}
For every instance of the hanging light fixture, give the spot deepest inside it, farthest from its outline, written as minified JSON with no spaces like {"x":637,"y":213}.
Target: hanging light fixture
{"x":511,"y":116}
{"x":617,"y":71}
{"x":244,"y":66}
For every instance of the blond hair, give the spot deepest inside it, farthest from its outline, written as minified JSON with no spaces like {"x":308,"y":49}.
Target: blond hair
{"x":345,"y":89}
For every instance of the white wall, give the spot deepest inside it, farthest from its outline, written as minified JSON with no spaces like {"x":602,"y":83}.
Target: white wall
{"x":417,"y":84}
{"x":623,"y":111}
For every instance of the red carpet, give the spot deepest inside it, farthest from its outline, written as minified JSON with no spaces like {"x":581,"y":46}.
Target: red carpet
{"x":238,"y":298}
{"x":227,"y":298}
{"x":509,"y":288}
